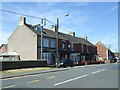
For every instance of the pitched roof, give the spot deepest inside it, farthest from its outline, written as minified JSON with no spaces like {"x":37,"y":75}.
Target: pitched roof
{"x":5,"y":45}
{"x":52,"y":34}
{"x":46,"y":33}
{"x":77,"y":39}
{"x":101,"y":44}
{"x":9,"y":54}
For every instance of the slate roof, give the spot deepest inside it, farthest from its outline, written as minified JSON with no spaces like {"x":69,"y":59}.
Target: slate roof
{"x":77,"y":39}
{"x":47,"y":33}
{"x":52,"y":34}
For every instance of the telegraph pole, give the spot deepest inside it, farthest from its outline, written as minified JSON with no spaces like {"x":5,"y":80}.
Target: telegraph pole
{"x":56,"y":29}
{"x":109,"y":46}
{"x":57,"y":39}
{"x":41,"y":39}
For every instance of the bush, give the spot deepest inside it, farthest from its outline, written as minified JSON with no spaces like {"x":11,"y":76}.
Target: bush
{"x":105,"y":58}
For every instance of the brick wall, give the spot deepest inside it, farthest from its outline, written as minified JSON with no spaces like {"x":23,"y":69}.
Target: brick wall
{"x":101,"y":50}
{"x":78,"y":47}
{"x":66,"y":44}
{"x":92,"y":49}
{"x":60,"y":44}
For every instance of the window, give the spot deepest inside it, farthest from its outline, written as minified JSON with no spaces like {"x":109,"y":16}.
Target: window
{"x":63,"y":45}
{"x":75,"y":58}
{"x":68,"y":45}
{"x":72,"y":46}
{"x":52,"y":43}
{"x":87,"y":49}
{"x":82,"y":48}
{"x":2,"y":51}
{"x":45,"y":42}
{"x":83,"y":58}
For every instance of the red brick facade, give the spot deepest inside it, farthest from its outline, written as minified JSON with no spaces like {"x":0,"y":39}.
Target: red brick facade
{"x":78,"y":47}
{"x":63,"y":49}
{"x":102,"y":51}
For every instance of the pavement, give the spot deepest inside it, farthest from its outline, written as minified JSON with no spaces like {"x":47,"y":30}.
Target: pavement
{"x":90,"y":76}
{"x":32,"y":73}
{"x":39,"y":72}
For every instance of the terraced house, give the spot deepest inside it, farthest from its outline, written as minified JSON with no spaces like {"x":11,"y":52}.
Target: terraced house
{"x":80,"y":48}
{"x":26,"y":41}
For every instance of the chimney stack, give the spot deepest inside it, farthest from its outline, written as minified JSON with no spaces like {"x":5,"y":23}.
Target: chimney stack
{"x":85,"y":37}
{"x":53,"y":28}
{"x":22,"y":21}
{"x":72,"y":34}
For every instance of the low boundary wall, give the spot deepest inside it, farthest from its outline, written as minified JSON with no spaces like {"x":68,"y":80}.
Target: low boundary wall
{"x":6,"y":65}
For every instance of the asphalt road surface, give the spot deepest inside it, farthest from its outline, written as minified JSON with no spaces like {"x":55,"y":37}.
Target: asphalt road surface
{"x":92,"y":76}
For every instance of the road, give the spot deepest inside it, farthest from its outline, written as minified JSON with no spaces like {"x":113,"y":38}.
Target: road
{"x":92,"y":76}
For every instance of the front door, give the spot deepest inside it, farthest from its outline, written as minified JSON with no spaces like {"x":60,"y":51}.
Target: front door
{"x":47,"y":57}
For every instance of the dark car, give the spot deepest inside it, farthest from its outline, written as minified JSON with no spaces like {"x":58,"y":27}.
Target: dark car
{"x":118,"y":60}
{"x":66,"y":62}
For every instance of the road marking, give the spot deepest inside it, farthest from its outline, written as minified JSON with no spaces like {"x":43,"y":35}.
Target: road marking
{"x":9,"y":86}
{"x":17,"y":77}
{"x":98,"y":71}
{"x":79,"y":66}
{"x":32,"y":81}
{"x":71,"y":80}
{"x":51,"y":77}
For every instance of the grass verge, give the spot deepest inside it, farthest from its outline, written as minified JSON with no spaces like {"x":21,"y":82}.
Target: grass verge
{"x":24,"y":70}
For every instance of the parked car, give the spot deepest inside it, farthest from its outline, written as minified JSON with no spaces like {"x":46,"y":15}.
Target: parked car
{"x":66,"y":62}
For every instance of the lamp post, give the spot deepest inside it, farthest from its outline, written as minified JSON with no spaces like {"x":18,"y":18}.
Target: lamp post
{"x":57,"y":29}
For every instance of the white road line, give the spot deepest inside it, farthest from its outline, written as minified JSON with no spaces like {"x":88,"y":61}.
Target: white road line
{"x":9,"y":86}
{"x":98,"y":71}
{"x":70,"y":80}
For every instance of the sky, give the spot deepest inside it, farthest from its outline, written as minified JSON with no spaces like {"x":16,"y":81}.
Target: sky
{"x":97,"y":20}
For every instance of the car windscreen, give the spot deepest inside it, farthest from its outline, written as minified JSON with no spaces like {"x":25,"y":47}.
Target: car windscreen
{"x":63,"y":60}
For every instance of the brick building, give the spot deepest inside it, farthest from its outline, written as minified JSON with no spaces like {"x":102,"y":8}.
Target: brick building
{"x":103,"y":52}
{"x":3,"y":48}
{"x":28,"y":38}
{"x":80,"y":48}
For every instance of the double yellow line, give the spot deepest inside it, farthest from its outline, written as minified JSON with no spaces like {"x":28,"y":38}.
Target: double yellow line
{"x":51,"y":77}
{"x":17,"y":77}
{"x":33,"y":81}
{"x":26,"y":82}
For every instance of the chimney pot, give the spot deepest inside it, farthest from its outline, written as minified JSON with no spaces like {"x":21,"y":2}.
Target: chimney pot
{"x":53,"y":28}
{"x":85,"y":37}
{"x":22,"y":21}
{"x":72,"y":34}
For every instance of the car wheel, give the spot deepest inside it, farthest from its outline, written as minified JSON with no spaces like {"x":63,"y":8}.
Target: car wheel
{"x":72,"y":65}
{"x":64,"y":65}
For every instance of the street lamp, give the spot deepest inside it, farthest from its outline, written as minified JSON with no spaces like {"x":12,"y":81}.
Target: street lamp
{"x":57,"y":29}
